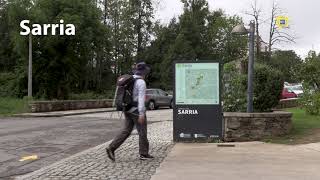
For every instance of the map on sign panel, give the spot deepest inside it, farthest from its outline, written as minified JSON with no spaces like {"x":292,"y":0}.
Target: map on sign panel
{"x":197,"y":83}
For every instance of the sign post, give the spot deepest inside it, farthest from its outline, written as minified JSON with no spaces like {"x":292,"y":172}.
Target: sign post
{"x":197,"y":96}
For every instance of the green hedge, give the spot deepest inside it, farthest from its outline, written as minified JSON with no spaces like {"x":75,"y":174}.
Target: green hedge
{"x":268,"y":85}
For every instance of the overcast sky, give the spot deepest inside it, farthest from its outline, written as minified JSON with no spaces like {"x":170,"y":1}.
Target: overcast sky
{"x":303,"y":16}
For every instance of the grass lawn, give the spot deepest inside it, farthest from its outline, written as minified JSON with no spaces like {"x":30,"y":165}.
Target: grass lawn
{"x":10,"y":106}
{"x":306,"y":129}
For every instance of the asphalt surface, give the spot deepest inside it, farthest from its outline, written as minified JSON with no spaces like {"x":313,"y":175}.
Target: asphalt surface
{"x":53,"y":139}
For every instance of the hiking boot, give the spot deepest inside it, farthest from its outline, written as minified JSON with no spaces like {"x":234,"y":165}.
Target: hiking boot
{"x":110,"y":154}
{"x":146,"y":157}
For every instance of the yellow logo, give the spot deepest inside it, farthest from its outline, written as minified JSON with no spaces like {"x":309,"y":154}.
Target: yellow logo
{"x":282,"y":22}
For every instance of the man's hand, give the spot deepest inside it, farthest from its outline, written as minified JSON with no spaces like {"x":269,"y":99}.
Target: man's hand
{"x":141,"y":119}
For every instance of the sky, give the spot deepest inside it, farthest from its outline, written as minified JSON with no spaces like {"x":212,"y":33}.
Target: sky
{"x":303,"y":18}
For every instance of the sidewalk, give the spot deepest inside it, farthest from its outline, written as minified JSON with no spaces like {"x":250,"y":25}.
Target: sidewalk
{"x":245,"y":161}
{"x":64,"y":113}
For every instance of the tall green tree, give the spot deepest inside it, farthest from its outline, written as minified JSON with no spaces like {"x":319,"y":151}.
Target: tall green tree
{"x":199,"y":34}
{"x":288,"y":63}
{"x":309,"y":71}
{"x":62,"y":64}
{"x":142,"y":14}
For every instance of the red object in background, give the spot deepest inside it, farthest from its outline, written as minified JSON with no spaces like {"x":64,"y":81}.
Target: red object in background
{"x":286,"y":94}
{"x":147,"y":98}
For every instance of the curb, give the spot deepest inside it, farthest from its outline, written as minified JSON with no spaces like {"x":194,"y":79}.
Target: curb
{"x":58,"y":114}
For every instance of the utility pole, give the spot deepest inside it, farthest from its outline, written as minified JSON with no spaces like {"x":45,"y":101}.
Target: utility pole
{"x":30,"y":68}
{"x":251,"y":67}
{"x":242,"y":30}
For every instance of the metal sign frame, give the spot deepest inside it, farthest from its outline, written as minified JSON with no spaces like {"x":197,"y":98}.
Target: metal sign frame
{"x":205,"y":125}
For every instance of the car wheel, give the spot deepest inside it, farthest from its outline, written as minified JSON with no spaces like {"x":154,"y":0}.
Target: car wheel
{"x":152,"y":105}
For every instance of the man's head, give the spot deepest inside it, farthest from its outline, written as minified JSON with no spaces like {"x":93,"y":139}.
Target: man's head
{"x":142,"y":69}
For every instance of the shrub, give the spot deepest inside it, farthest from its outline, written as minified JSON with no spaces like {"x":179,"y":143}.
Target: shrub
{"x":268,"y":85}
{"x":234,"y":94}
{"x":6,"y":83}
{"x":311,"y":102}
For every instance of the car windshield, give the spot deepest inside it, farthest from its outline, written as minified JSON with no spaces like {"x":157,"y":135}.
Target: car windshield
{"x":296,"y":88}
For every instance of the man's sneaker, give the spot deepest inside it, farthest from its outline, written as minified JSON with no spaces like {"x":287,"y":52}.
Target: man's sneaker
{"x":110,"y":154}
{"x":146,"y":157}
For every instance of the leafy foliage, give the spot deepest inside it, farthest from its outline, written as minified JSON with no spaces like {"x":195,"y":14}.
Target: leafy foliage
{"x":311,"y":102}
{"x":287,"y":62}
{"x":234,"y":93}
{"x":199,"y":34}
{"x":310,"y":75}
{"x":268,"y":85}
{"x":309,"y":71}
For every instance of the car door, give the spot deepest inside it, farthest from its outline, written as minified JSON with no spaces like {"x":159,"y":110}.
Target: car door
{"x":165,"y":99}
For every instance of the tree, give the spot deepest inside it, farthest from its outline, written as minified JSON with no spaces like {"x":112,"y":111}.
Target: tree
{"x":61,"y":64}
{"x":199,"y":34}
{"x":277,"y":35}
{"x":310,"y":70}
{"x":287,"y":62}
{"x":156,"y":53}
{"x":142,"y":14}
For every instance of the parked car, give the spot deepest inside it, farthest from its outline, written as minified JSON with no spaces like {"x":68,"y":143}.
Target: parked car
{"x":156,"y":98}
{"x":297,"y":89}
{"x":287,"y":93}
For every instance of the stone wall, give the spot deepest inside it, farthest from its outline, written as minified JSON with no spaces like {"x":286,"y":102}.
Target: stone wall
{"x":256,"y":126}
{"x":48,"y":106}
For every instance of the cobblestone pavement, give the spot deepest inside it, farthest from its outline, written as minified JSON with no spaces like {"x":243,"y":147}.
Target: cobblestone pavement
{"x":56,"y":138}
{"x":94,"y":164}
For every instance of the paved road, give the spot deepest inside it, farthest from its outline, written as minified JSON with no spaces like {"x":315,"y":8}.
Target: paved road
{"x":53,"y":139}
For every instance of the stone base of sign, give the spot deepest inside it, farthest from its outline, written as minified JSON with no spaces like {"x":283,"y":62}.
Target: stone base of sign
{"x":49,"y":106}
{"x":256,"y":126}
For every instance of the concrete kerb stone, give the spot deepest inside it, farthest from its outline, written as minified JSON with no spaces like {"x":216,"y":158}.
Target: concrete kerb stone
{"x":94,"y":164}
{"x":63,"y":113}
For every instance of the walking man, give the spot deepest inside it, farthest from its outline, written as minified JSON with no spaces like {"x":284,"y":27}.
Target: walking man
{"x":135,"y":116}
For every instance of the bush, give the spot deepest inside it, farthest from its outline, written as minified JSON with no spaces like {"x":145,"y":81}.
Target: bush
{"x":13,"y":84}
{"x":268,"y":85}
{"x":6,"y":84}
{"x":234,"y":95}
{"x":310,"y":102}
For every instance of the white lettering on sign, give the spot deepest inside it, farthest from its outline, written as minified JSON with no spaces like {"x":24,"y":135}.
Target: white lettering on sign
{"x":53,"y":29}
{"x":187,"y":111}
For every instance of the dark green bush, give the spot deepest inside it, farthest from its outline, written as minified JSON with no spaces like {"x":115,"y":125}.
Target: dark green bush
{"x":6,"y":84}
{"x":268,"y":85}
{"x":13,"y":84}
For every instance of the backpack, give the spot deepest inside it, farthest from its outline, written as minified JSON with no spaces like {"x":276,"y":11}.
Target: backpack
{"x":124,"y":92}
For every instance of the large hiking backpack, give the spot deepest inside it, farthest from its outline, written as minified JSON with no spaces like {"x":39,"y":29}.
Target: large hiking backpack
{"x":124,"y":92}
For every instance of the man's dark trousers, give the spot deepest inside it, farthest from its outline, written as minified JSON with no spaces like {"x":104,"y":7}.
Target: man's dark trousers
{"x":131,"y":119}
